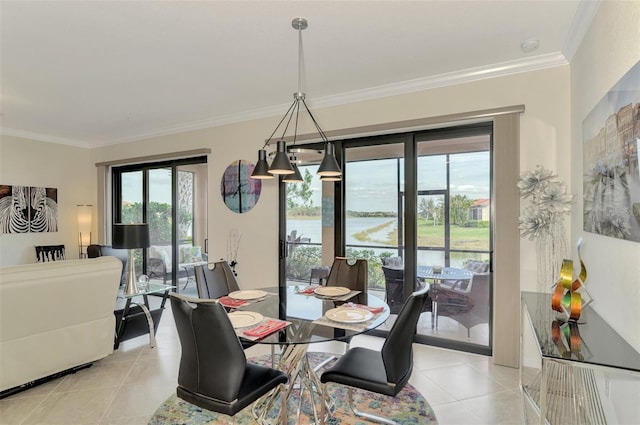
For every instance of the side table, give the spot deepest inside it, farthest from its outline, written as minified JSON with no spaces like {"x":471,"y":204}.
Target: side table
{"x":137,"y":318}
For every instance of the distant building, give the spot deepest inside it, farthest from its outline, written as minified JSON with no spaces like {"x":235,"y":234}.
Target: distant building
{"x":480,"y":210}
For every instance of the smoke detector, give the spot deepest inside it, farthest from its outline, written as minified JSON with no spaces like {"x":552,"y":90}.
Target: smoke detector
{"x":530,"y":45}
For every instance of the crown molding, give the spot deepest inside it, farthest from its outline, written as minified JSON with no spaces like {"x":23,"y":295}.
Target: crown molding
{"x":533,"y":63}
{"x":501,"y":69}
{"x":528,"y":64}
{"x":44,"y":137}
{"x":579,"y":26}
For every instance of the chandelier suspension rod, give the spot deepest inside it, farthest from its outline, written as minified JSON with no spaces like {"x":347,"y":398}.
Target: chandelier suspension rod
{"x":313,"y":119}
{"x":286,"y":127}
{"x":279,"y":124}
{"x":300,"y":28}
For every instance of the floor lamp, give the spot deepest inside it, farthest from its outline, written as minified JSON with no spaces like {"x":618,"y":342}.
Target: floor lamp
{"x":131,"y":237}
{"x":85,"y":219}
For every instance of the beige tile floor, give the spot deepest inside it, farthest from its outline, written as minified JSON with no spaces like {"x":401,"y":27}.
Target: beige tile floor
{"x":128,"y":386}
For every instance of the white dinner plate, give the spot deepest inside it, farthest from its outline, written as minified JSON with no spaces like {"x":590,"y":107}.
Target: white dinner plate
{"x":348,"y":315}
{"x":242,"y":319}
{"x":332,"y":291}
{"x":249,"y":294}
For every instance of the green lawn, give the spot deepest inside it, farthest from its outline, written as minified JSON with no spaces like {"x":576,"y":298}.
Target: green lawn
{"x":476,"y":238}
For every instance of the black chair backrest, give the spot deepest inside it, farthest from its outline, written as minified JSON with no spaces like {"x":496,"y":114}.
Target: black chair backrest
{"x":46,"y":253}
{"x":216,"y":282}
{"x":394,"y":288}
{"x":393,"y":274}
{"x":397,"y":353}
{"x":213,"y":361}
{"x":393,"y":262}
{"x":353,"y":276}
{"x":94,"y":251}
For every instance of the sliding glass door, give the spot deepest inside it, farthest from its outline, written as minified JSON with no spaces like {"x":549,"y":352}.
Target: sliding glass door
{"x":417,"y":207}
{"x":304,"y":244}
{"x":375,"y":212}
{"x":453,"y":234}
{"x":171,"y":198}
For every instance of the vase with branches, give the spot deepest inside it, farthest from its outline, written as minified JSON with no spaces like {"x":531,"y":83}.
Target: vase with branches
{"x":548,"y":201}
{"x":233,"y":246}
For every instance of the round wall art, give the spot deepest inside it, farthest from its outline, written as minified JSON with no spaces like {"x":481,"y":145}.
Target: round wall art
{"x":239,"y":191}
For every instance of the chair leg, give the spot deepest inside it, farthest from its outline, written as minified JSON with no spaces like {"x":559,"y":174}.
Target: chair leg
{"x":365,"y":415}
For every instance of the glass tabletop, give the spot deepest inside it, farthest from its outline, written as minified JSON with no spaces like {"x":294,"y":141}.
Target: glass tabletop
{"x":154,"y":288}
{"x":447,"y":273}
{"x":302,"y":310}
{"x":597,"y":342}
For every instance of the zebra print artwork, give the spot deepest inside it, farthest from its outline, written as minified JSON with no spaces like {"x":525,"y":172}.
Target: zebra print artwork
{"x":26,"y":209}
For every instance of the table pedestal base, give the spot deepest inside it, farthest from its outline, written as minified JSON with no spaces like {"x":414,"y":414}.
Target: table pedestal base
{"x":303,"y":384}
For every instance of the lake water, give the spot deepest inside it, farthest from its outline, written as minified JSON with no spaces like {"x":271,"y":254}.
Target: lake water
{"x":312,"y":228}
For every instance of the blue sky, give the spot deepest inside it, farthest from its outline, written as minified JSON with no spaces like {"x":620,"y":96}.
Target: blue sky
{"x":371,"y":185}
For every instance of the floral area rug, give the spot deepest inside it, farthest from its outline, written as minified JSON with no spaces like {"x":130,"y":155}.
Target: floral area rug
{"x":408,"y":408}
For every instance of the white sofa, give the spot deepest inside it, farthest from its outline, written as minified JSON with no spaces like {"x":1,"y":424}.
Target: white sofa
{"x":55,"y":316}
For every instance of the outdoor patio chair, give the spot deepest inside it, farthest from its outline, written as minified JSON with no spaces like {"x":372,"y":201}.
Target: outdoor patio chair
{"x":470,"y":307}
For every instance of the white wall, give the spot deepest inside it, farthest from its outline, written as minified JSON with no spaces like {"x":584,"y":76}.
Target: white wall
{"x":26,"y":162}
{"x":545,"y":139}
{"x":610,"y":48}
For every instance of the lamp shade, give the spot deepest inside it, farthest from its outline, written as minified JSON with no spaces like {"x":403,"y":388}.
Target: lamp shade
{"x":261,"y":170}
{"x":85,"y":219}
{"x":329,"y":166}
{"x":296,"y":177}
{"x":281,"y":164}
{"x":130,"y":236}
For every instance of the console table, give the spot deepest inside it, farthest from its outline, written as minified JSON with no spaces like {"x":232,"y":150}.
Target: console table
{"x":583,"y":373}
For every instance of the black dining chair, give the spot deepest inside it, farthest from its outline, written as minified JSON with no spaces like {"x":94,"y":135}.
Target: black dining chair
{"x":383,"y":372}
{"x":214,"y":373}
{"x":353,"y":276}
{"x":216,"y":282}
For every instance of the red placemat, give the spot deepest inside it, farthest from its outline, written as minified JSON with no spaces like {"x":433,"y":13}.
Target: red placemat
{"x":230,"y":302}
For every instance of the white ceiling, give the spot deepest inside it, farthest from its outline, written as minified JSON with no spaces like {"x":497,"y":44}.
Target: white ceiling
{"x":93,"y":73}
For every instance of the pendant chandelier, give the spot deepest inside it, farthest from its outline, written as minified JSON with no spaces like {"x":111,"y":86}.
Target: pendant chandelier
{"x":284,"y":161}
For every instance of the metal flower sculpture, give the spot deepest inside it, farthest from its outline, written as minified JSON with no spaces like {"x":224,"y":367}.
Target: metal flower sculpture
{"x":542,"y":220}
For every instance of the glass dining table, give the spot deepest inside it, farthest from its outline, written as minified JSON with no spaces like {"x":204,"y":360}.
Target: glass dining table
{"x":312,"y":319}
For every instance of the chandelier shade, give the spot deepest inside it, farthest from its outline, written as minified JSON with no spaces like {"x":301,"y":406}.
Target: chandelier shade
{"x":281,"y":164}
{"x":261,"y":170}
{"x":296,"y":177}
{"x":329,"y":165}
